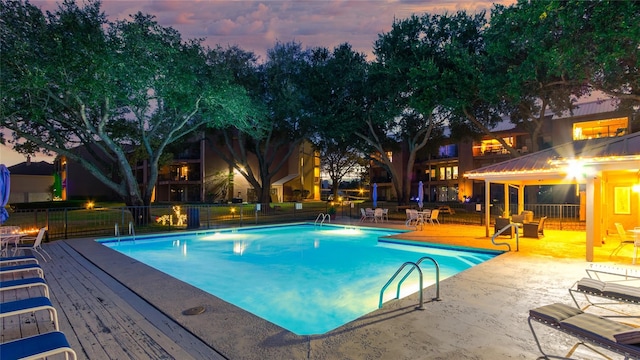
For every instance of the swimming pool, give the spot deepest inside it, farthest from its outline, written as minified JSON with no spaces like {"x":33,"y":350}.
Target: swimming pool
{"x":304,"y":278}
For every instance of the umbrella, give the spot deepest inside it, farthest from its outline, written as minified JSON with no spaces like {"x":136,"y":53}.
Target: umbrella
{"x":5,"y":183}
{"x":420,"y":194}
{"x":375,"y":195}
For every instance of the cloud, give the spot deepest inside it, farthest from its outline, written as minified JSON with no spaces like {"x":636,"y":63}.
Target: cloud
{"x":257,"y":25}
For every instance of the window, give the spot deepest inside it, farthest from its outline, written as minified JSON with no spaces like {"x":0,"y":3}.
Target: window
{"x":390,"y":156}
{"x":442,"y":173}
{"x":455,"y":172}
{"x":492,"y":146}
{"x":448,"y":151}
{"x":600,"y":128}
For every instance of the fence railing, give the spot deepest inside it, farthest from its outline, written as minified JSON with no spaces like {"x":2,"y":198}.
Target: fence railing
{"x":67,"y":223}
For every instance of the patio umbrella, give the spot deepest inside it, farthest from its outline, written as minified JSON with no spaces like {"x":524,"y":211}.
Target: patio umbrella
{"x":5,"y":183}
{"x":420,"y":194}
{"x":375,"y":195}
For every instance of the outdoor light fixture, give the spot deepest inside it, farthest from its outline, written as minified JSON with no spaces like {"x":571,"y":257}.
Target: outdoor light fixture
{"x":89,"y":205}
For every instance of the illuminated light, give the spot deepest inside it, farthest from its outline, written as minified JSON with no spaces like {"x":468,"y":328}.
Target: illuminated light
{"x":89,"y":205}
{"x":636,"y":188}
{"x":225,"y":236}
{"x":239,"y":247}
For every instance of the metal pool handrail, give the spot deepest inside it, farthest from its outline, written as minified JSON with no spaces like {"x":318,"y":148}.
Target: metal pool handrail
{"x":324,"y":217}
{"x":414,"y":266}
{"x":503,"y":230}
{"x":437,"y":298}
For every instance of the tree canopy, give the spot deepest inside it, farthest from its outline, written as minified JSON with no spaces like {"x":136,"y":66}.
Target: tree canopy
{"x":75,"y":80}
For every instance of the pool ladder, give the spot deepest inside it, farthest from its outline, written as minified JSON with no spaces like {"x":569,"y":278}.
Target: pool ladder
{"x":414,"y":265}
{"x":322,"y":217}
{"x":132,"y":231}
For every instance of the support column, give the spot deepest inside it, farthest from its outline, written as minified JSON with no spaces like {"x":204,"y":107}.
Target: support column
{"x":520,"y":198}
{"x":594,"y":215}
{"x":507,"y":199}
{"x":487,"y":206}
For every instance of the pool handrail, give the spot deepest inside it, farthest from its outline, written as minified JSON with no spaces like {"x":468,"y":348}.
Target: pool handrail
{"x":516,"y":225}
{"x":414,"y":266}
{"x":324,"y":217}
{"x":437,"y":298}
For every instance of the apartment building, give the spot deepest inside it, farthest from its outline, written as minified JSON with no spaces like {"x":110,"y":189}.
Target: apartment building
{"x":442,"y":172}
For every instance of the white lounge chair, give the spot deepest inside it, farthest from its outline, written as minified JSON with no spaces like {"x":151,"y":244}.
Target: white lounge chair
{"x":30,"y":305}
{"x":38,"y":347}
{"x":25,"y":283}
{"x":36,"y":247}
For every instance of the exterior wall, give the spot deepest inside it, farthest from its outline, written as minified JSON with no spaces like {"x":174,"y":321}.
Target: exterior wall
{"x":218,"y":182}
{"x":30,"y":188}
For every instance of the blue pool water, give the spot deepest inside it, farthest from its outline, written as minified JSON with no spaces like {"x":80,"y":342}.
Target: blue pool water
{"x":306,"y":279}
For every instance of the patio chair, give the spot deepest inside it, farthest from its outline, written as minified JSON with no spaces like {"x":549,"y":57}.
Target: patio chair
{"x":21,"y":268}
{"x":412,"y":217}
{"x":501,"y":223}
{"x":38,"y":347}
{"x":589,"y":329}
{"x":18,"y":259}
{"x":433,"y":216}
{"x":366,"y":214}
{"x":534,"y":229}
{"x":25,"y":283}
{"x":36,"y":246}
{"x":626,"y":238}
{"x":30,"y":305}
{"x":385,"y":214}
{"x":378,"y":215}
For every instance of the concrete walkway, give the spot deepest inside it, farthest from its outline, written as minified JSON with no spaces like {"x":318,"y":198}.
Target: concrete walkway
{"x":482,"y":313}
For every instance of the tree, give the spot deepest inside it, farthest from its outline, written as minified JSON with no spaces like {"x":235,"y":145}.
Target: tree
{"x":115,"y":89}
{"x":599,"y":44}
{"x":279,"y":90}
{"x":524,"y":42}
{"x":338,"y":160}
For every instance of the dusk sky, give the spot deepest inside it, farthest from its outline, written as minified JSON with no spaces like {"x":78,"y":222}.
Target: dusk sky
{"x":257,"y":25}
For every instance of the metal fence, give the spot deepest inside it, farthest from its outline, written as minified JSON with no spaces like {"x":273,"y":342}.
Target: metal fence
{"x":68,"y":223}
{"x":65,"y":223}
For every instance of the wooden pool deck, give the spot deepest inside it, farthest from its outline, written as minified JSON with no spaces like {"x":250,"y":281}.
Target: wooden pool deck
{"x":121,"y":313}
{"x":101,"y":318}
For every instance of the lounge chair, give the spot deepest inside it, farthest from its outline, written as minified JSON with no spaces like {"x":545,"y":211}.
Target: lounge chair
{"x":501,"y":223}
{"x":25,"y":283}
{"x":588,"y":328}
{"x":36,"y":246}
{"x":534,"y":229}
{"x":30,"y":305}
{"x":22,"y":268}
{"x":626,"y":238}
{"x":38,"y":347}
{"x":619,"y":287}
{"x":18,"y":260}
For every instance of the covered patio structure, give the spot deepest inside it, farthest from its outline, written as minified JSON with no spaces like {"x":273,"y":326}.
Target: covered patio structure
{"x":609,"y":169}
